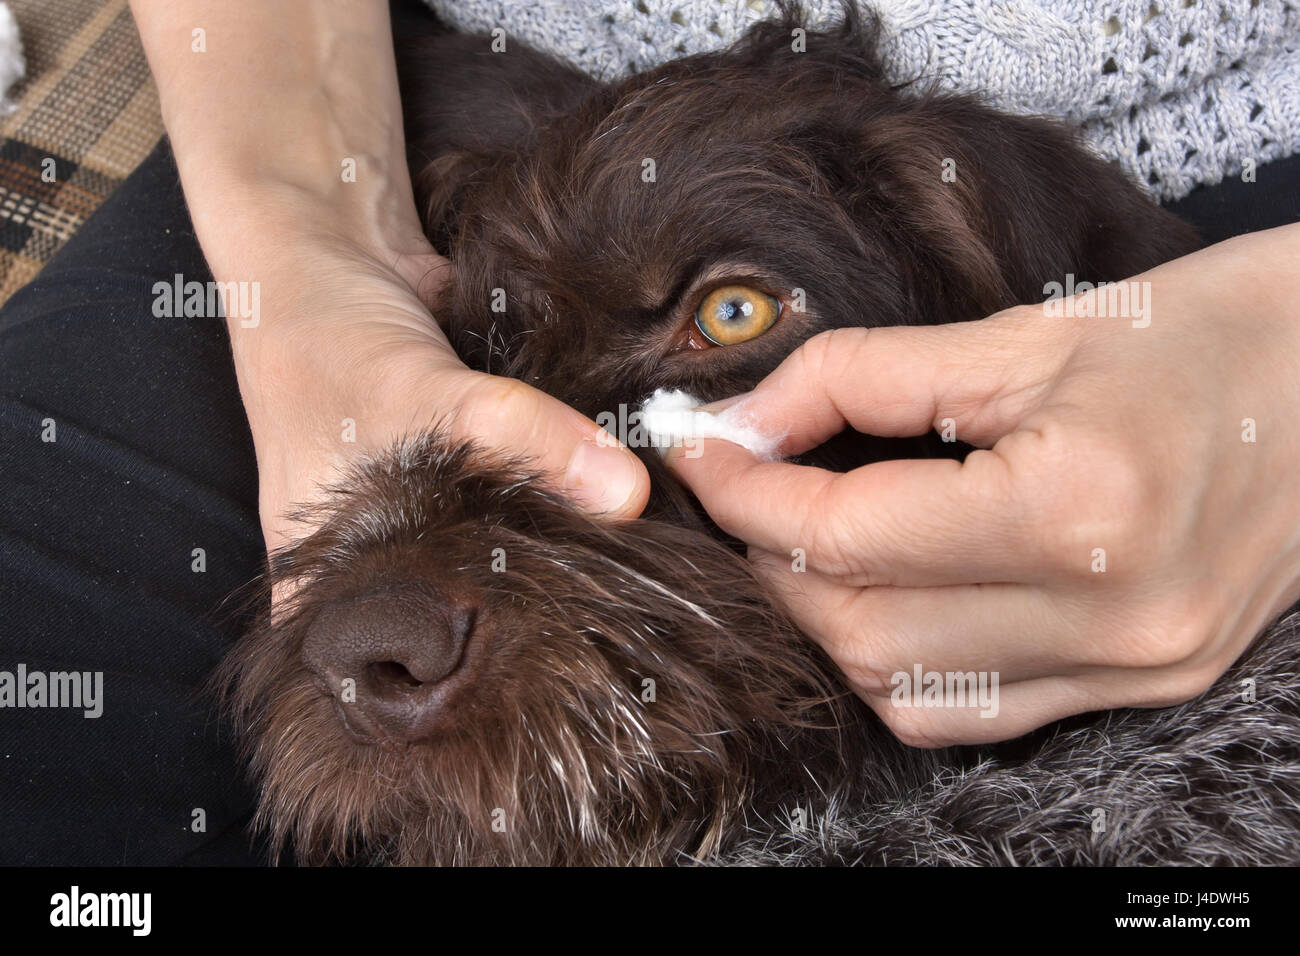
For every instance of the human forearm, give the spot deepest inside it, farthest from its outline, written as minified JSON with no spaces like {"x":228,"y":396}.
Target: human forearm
{"x":264,"y":107}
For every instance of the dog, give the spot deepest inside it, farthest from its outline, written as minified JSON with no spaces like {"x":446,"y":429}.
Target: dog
{"x":472,"y":671}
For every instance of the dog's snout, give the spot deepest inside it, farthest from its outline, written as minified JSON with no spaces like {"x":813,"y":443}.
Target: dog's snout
{"x":393,"y":660}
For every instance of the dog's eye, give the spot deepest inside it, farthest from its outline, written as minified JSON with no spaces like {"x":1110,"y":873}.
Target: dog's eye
{"x":735,"y":313}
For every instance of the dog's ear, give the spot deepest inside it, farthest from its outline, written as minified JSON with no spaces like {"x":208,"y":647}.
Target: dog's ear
{"x":467,"y":107}
{"x":846,"y":54}
{"x":996,"y":205}
{"x":999,"y":205}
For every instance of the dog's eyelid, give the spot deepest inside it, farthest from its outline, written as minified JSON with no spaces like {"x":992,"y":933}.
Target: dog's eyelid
{"x":736,"y":275}
{"x":758,"y":281}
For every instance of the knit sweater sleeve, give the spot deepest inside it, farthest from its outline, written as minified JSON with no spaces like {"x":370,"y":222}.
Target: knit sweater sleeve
{"x":1180,"y":92}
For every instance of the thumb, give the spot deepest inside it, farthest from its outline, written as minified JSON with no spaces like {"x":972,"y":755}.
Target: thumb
{"x":901,"y":381}
{"x":580,"y":458}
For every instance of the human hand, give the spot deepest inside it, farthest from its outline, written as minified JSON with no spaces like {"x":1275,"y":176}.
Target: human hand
{"x":289,"y":140}
{"x":1127,"y":525}
{"x":350,"y":361}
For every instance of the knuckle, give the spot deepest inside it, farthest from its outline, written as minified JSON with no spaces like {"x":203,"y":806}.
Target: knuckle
{"x":1181,"y":685}
{"x":498,"y":406}
{"x":838,"y":537}
{"x":1098,"y":500}
{"x":821,"y":354}
{"x":913,"y":726}
{"x":508,"y":397}
{"x":827,"y":547}
{"x":874,"y":681}
{"x":833,"y":341}
{"x":1170,"y":635}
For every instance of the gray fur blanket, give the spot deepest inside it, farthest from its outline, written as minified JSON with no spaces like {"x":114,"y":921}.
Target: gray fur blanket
{"x":1215,"y":781}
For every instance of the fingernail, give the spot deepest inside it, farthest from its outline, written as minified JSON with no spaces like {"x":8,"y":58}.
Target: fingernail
{"x":714,"y":407}
{"x":602,"y":478}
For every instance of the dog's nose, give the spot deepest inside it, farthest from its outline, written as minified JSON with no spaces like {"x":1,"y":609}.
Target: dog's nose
{"x":393,"y":660}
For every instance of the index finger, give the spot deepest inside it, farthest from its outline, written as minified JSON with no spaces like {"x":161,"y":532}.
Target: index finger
{"x":906,"y":380}
{"x":917,"y":523}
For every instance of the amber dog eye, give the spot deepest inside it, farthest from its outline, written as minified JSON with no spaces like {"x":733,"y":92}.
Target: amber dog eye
{"x":733,"y":314}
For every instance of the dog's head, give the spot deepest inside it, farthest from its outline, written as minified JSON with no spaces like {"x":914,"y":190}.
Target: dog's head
{"x":471,"y":670}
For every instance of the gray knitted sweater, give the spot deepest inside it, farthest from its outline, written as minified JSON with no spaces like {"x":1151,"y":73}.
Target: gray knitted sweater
{"x":1180,"y":92}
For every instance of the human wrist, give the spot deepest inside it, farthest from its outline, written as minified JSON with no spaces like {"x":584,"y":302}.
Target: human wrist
{"x":277,"y":225}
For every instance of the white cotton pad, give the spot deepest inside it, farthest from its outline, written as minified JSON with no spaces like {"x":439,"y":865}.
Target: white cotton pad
{"x":670,"y":418}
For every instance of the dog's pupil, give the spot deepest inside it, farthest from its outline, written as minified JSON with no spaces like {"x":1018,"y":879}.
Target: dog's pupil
{"x":734,"y":309}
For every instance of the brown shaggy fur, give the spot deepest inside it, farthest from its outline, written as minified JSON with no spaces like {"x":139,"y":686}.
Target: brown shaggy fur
{"x":781,"y":170}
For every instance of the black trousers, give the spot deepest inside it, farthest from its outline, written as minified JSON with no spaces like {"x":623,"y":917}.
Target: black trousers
{"x":123,"y":449}
{"x":151,"y":458}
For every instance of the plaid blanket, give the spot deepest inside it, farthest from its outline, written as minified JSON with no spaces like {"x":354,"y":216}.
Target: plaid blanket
{"x":89,"y":105}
